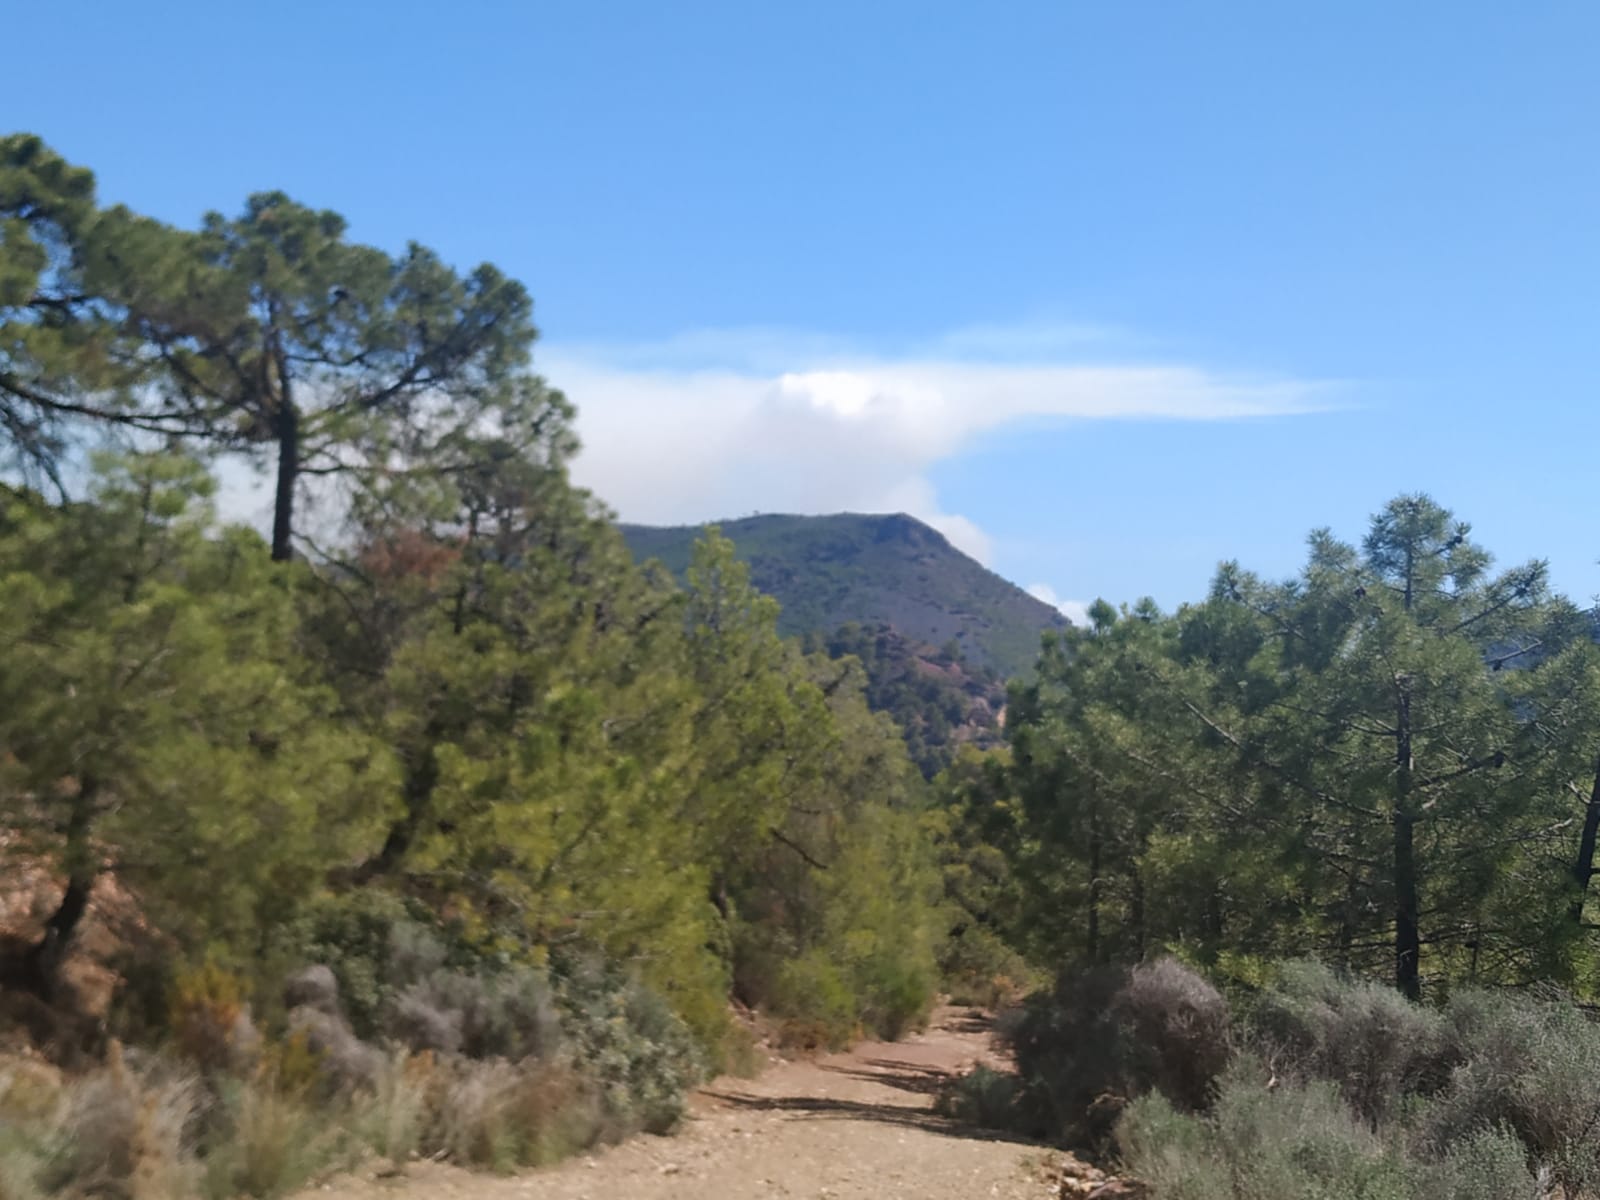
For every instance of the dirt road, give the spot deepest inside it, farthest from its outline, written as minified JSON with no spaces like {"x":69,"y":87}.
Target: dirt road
{"x":854,"y":1126}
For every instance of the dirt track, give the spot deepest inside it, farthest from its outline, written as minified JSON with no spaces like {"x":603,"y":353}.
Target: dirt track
{"x":854,"y":1126}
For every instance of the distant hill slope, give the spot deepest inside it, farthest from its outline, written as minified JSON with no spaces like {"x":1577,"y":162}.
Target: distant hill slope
{"x":941,"y":702}
{"x":874,"y":570}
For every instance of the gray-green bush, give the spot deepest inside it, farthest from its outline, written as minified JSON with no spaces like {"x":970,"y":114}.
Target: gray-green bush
{"x":1532,"y":1064}
{"x":1324,"y":1087}
{"x":502,"y":1067}
{"x":508,"y":1014}
{"x":416,"y":987}
{"x":1375,"y":1045}
{"x":1268,"y":1140}
{"x":628,"y":1040}
{"x":1101,"y":1037}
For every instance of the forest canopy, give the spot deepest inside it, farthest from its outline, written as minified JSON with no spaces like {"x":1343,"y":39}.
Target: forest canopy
{"x":442,"y":677}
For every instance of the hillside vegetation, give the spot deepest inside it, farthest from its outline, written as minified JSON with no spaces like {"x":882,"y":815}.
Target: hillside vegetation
{"x":444,"y":822}
{"x":432,"y":824}
{"x":1341,"y":767}
{"x":874,"y":570}
{"x":939,"y":701}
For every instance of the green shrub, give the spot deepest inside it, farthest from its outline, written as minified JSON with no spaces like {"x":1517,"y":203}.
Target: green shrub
{"x":1171,"y":1151}
{"x":740,"y":1053}
{"x":393,"y":1117}
{"x":340,"y":1064}
{"x":1344,"y":1088}
{"x":488,"y":1065}
{"x":1487,"y":1164}
{"x":896,"y":995}
{"x":1298,"y":1139}
{"x":537,"y":1071}
{"x":1176,"y":1029}
{"x":374,"y":946}
{"x":983,"y":1097}
{"x":146,"y":1128}
{"x":498,"y":1115}
{"x":979,"y":969}
{"x":816,"y":1003}
{"x":21,"y":1160}
{"x":1518,"y":1065}
{"x":823,"y":1003}
{"x":1070,"y":1050}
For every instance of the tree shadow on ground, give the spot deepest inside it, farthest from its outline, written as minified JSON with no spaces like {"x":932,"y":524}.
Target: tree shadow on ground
{"x":917,"y":1078}
{"x":973,"y":1020}
{"x":822,"y":1108}
{"x":919,"y":1081}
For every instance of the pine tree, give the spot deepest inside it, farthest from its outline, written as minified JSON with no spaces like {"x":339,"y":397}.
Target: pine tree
{"x":278,"y":337}
{"x":61,"y":358}
{"x":1373,"y":736}
{"x":151,"y":723}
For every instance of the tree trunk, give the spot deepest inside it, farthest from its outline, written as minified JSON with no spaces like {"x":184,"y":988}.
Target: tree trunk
{"x":1407,"y":938}
{"x":719,"y":897}
{"x":421,"y":777}
{"x":1094,"y":889}
{"x":48,"y":953}
{"x":287,"y":427}
{"x":1348,"y":918}
{"x":41,"y":966}
{"x":1215,"y":918}
{"x":1136,"y":912}
{"x":1583,"y":865}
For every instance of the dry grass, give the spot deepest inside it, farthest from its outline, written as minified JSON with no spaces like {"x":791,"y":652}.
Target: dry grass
{"x":495,"y":1071}
{"x":160,"y":1132}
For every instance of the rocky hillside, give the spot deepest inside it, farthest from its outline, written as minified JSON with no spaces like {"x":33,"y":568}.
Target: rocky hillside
{"x":940,"y":701}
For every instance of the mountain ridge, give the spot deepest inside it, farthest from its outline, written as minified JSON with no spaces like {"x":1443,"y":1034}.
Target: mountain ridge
{"x":872,"y":569}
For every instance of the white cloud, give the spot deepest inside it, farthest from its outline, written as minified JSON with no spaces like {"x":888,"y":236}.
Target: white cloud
{"x":720,"y":425}
{"x":1076,"y":611}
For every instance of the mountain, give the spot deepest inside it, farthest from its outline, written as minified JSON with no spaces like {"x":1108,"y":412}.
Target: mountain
{"x":874,"y":571}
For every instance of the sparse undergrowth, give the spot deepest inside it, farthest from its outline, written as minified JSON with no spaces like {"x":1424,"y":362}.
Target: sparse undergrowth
{"x":1317,"y":1087}
{"x":979,"y":970}
{"x":497,"y":1069}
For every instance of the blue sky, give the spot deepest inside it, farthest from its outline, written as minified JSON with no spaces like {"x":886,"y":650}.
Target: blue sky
{"x":1109,"y":291}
